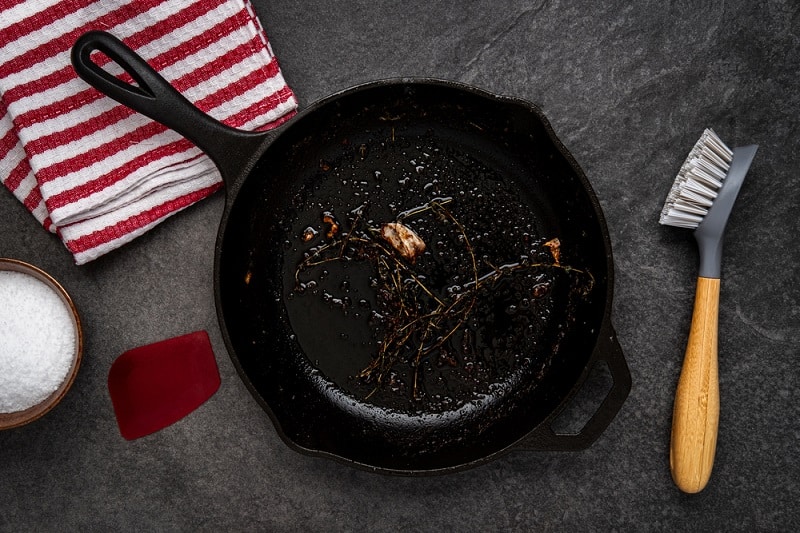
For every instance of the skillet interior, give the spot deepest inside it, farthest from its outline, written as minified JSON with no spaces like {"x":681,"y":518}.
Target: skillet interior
{"x":389,"y":148}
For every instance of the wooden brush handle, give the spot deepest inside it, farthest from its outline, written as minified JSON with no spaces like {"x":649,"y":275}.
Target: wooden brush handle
{"x":695,"y":417}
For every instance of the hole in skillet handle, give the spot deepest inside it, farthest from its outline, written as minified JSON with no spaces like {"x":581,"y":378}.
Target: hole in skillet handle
{"x":586,"y":401}
{"x":558,"y":432}
{"x":232,"y":150}
{"x":152,"y":95}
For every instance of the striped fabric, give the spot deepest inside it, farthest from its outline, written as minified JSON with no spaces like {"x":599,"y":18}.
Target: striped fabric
{"x":94,"y":172}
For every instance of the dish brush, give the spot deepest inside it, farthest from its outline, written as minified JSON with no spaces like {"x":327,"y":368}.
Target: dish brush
{"x":701,"y":198}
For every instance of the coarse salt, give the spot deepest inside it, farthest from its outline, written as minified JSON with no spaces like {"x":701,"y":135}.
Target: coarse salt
{"x":37,"y":341}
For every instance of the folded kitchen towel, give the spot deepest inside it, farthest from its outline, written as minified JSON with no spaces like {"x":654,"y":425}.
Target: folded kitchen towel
{"x":93,"y":171}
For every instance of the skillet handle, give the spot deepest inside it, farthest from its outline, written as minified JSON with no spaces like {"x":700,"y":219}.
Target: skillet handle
{"x":608,"y":350}
{"x":153,"y":96}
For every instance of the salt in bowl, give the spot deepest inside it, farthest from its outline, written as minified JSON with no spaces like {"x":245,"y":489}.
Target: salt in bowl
{"x":11,"y":417}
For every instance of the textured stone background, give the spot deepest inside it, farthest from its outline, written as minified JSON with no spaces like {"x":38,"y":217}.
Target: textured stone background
{"x":628,"y":87}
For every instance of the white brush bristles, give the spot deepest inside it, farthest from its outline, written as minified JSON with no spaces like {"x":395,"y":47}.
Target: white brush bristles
{"x":697,"y":183}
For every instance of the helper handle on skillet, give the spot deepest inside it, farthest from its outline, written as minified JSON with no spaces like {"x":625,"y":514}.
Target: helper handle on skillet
{"x":607,"y":350}
{"x":153,"y":96}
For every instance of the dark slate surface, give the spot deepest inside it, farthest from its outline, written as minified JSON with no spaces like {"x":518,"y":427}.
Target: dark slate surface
{"x":628,"y":87}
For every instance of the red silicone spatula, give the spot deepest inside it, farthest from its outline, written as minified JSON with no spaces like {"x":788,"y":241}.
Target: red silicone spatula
{"x":156,"y":385}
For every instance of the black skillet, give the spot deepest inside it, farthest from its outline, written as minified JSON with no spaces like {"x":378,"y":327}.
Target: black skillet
{"x":363,"y":156}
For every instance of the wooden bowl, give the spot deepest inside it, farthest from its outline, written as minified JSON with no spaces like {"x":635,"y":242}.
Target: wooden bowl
{"x":19,"y":418}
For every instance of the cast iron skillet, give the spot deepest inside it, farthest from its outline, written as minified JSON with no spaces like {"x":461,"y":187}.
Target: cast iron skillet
{"x":363,"y":156}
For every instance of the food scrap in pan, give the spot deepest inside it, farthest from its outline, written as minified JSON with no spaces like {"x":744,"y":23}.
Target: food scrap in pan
{"x":309,"y":233}
{"x":403,"y":239}
{"x":554,"y":245}
{"x":331,"y":224}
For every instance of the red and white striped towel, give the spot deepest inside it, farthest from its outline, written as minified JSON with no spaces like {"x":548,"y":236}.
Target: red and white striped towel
{"x":94,"y":172}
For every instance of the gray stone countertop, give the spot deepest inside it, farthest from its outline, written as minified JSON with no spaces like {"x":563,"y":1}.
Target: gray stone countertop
{"x":628,"y":88}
